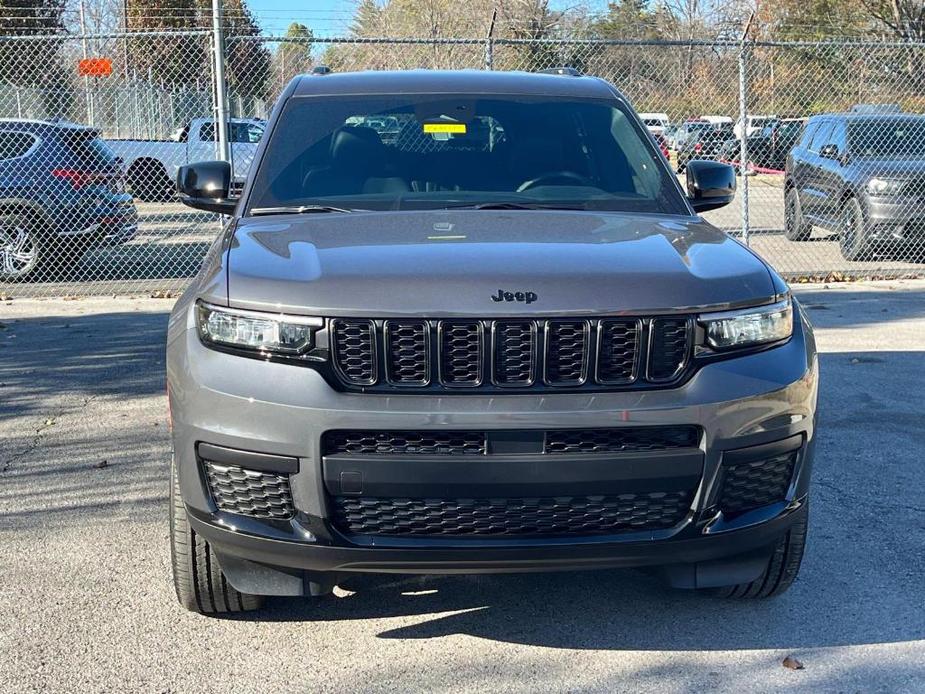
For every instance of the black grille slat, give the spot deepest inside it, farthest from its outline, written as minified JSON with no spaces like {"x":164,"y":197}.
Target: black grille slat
{"x":519,"y":517}
{"x":510,"y":353}
{"x":514,"y":353}
{"x":567,"y":344}
{"x":404,"y":443}
{"x":617,"y":351}
{"x":752,"y":484}
{"x":355,"y":351}
{"x":627,"y":439}
{"x":461,"y":353}
{"x":407,"y":352}
{"x":249,"y":492}
{"x":669,"y":347}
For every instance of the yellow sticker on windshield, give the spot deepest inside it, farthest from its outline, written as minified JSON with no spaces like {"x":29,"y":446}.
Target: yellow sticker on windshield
{"x":455,"y":128}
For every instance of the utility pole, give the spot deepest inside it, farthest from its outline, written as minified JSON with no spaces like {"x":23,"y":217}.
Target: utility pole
{"x":218,"y":71}
{"x":743,"y":129}
{"x":83,"y":41}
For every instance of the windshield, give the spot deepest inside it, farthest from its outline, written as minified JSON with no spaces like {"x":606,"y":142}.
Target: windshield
{"x":438,"y":151}
{"x":879,"y":137}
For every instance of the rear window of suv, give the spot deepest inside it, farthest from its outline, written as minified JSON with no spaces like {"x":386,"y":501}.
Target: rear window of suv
{"x":15,"y":144}
{"x":441,"y":151}
{"x":88,"y":149}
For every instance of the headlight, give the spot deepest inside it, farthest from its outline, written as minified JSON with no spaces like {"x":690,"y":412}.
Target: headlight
{"x":752,"y":326}
{"x":885,"y":186}
{"x":272,"y":333}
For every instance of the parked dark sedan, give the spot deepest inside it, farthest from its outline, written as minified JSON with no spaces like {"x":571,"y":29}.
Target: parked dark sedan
{"x":861,"y":176}
{"x":61,"y":194}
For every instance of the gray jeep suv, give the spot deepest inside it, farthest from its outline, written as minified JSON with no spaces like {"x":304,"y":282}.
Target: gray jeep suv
{"x":501,"y":339}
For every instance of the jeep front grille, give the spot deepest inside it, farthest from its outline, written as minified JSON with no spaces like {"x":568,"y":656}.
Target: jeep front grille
{"x":510,"y":354}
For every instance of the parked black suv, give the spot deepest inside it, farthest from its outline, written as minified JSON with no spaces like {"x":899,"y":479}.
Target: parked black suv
{"x":861,"y":176}
{"x":61,"y":194}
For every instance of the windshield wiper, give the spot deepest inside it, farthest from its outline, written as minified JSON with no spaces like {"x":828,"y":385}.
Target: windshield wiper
{"x":517,"y":206}
{"x":297,"y":209}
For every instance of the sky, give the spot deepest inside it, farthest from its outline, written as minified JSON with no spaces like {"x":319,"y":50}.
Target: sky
{"x":332,"y":17}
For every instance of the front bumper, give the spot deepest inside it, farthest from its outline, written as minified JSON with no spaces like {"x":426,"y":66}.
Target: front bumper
{"x":895,"y":218}
{"x":284,"y":410}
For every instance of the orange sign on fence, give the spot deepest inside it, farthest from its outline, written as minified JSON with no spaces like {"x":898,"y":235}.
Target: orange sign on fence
{"x":94,"y":67}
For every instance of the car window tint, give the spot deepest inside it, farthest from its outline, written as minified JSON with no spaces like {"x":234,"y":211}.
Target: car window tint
{"x":88,"y":150}
{"x":838,"y":136}
{"x":15,"y":144}
{"x":808,"y":132}
{"x":423,"y":151}
{"x":822,"y":136}
{"x":887,"y":137}
{"x":246,"y":132}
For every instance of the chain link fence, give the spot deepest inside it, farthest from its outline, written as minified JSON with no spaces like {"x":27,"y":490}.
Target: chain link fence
{"x":87,"y":161}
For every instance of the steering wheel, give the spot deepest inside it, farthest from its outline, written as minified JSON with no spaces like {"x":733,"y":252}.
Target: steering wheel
{"x":556,"y":178}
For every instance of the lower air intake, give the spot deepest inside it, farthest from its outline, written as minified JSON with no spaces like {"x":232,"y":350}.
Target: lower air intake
{"x":520,"y":517}
{"x":757,"y":483}
{"x":249,"y":492}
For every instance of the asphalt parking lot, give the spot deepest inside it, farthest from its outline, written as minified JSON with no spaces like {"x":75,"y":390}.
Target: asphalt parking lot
{"x":86,"y":602}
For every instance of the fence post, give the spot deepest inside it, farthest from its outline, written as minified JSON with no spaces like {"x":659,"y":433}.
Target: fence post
{"x":218,"y":72}
{"x":743,"y":128}
{"x":490,"y":42}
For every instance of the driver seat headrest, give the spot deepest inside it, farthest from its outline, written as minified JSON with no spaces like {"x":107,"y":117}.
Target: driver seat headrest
{"x":356,"y":145}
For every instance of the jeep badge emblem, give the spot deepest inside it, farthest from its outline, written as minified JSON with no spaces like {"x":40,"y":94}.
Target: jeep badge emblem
{"x":526,"y":297}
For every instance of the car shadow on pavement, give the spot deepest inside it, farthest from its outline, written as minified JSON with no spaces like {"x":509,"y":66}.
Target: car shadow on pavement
{"x":90,"y":355}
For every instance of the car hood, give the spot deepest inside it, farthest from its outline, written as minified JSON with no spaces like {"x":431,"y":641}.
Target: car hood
{"x":446,"y":263}
{"x":884,"y":167}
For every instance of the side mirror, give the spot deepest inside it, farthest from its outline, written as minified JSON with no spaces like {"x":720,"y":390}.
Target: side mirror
{"x":710,"y":184}
{"x":205,"y":185}
{"x":829,"y":152}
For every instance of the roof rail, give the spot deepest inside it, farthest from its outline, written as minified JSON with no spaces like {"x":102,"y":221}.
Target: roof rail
{"x":321,"y":70}
{"x":570,"y":71}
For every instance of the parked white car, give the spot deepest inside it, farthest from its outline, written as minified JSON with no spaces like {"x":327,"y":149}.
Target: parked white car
{"x":753,"y":125}
{"x":151,"y":165}
{"x":717,"y":120}
{"x":655,"y":122}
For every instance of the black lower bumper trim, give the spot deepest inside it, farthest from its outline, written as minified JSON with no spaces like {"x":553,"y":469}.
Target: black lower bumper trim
{"x":484,"y":558}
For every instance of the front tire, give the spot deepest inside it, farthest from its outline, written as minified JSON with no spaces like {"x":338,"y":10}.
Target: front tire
{"x":853,"y":237}
{"x":197,"y":578}
{"x":782,"y":569}
{"x":795,"y":227}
